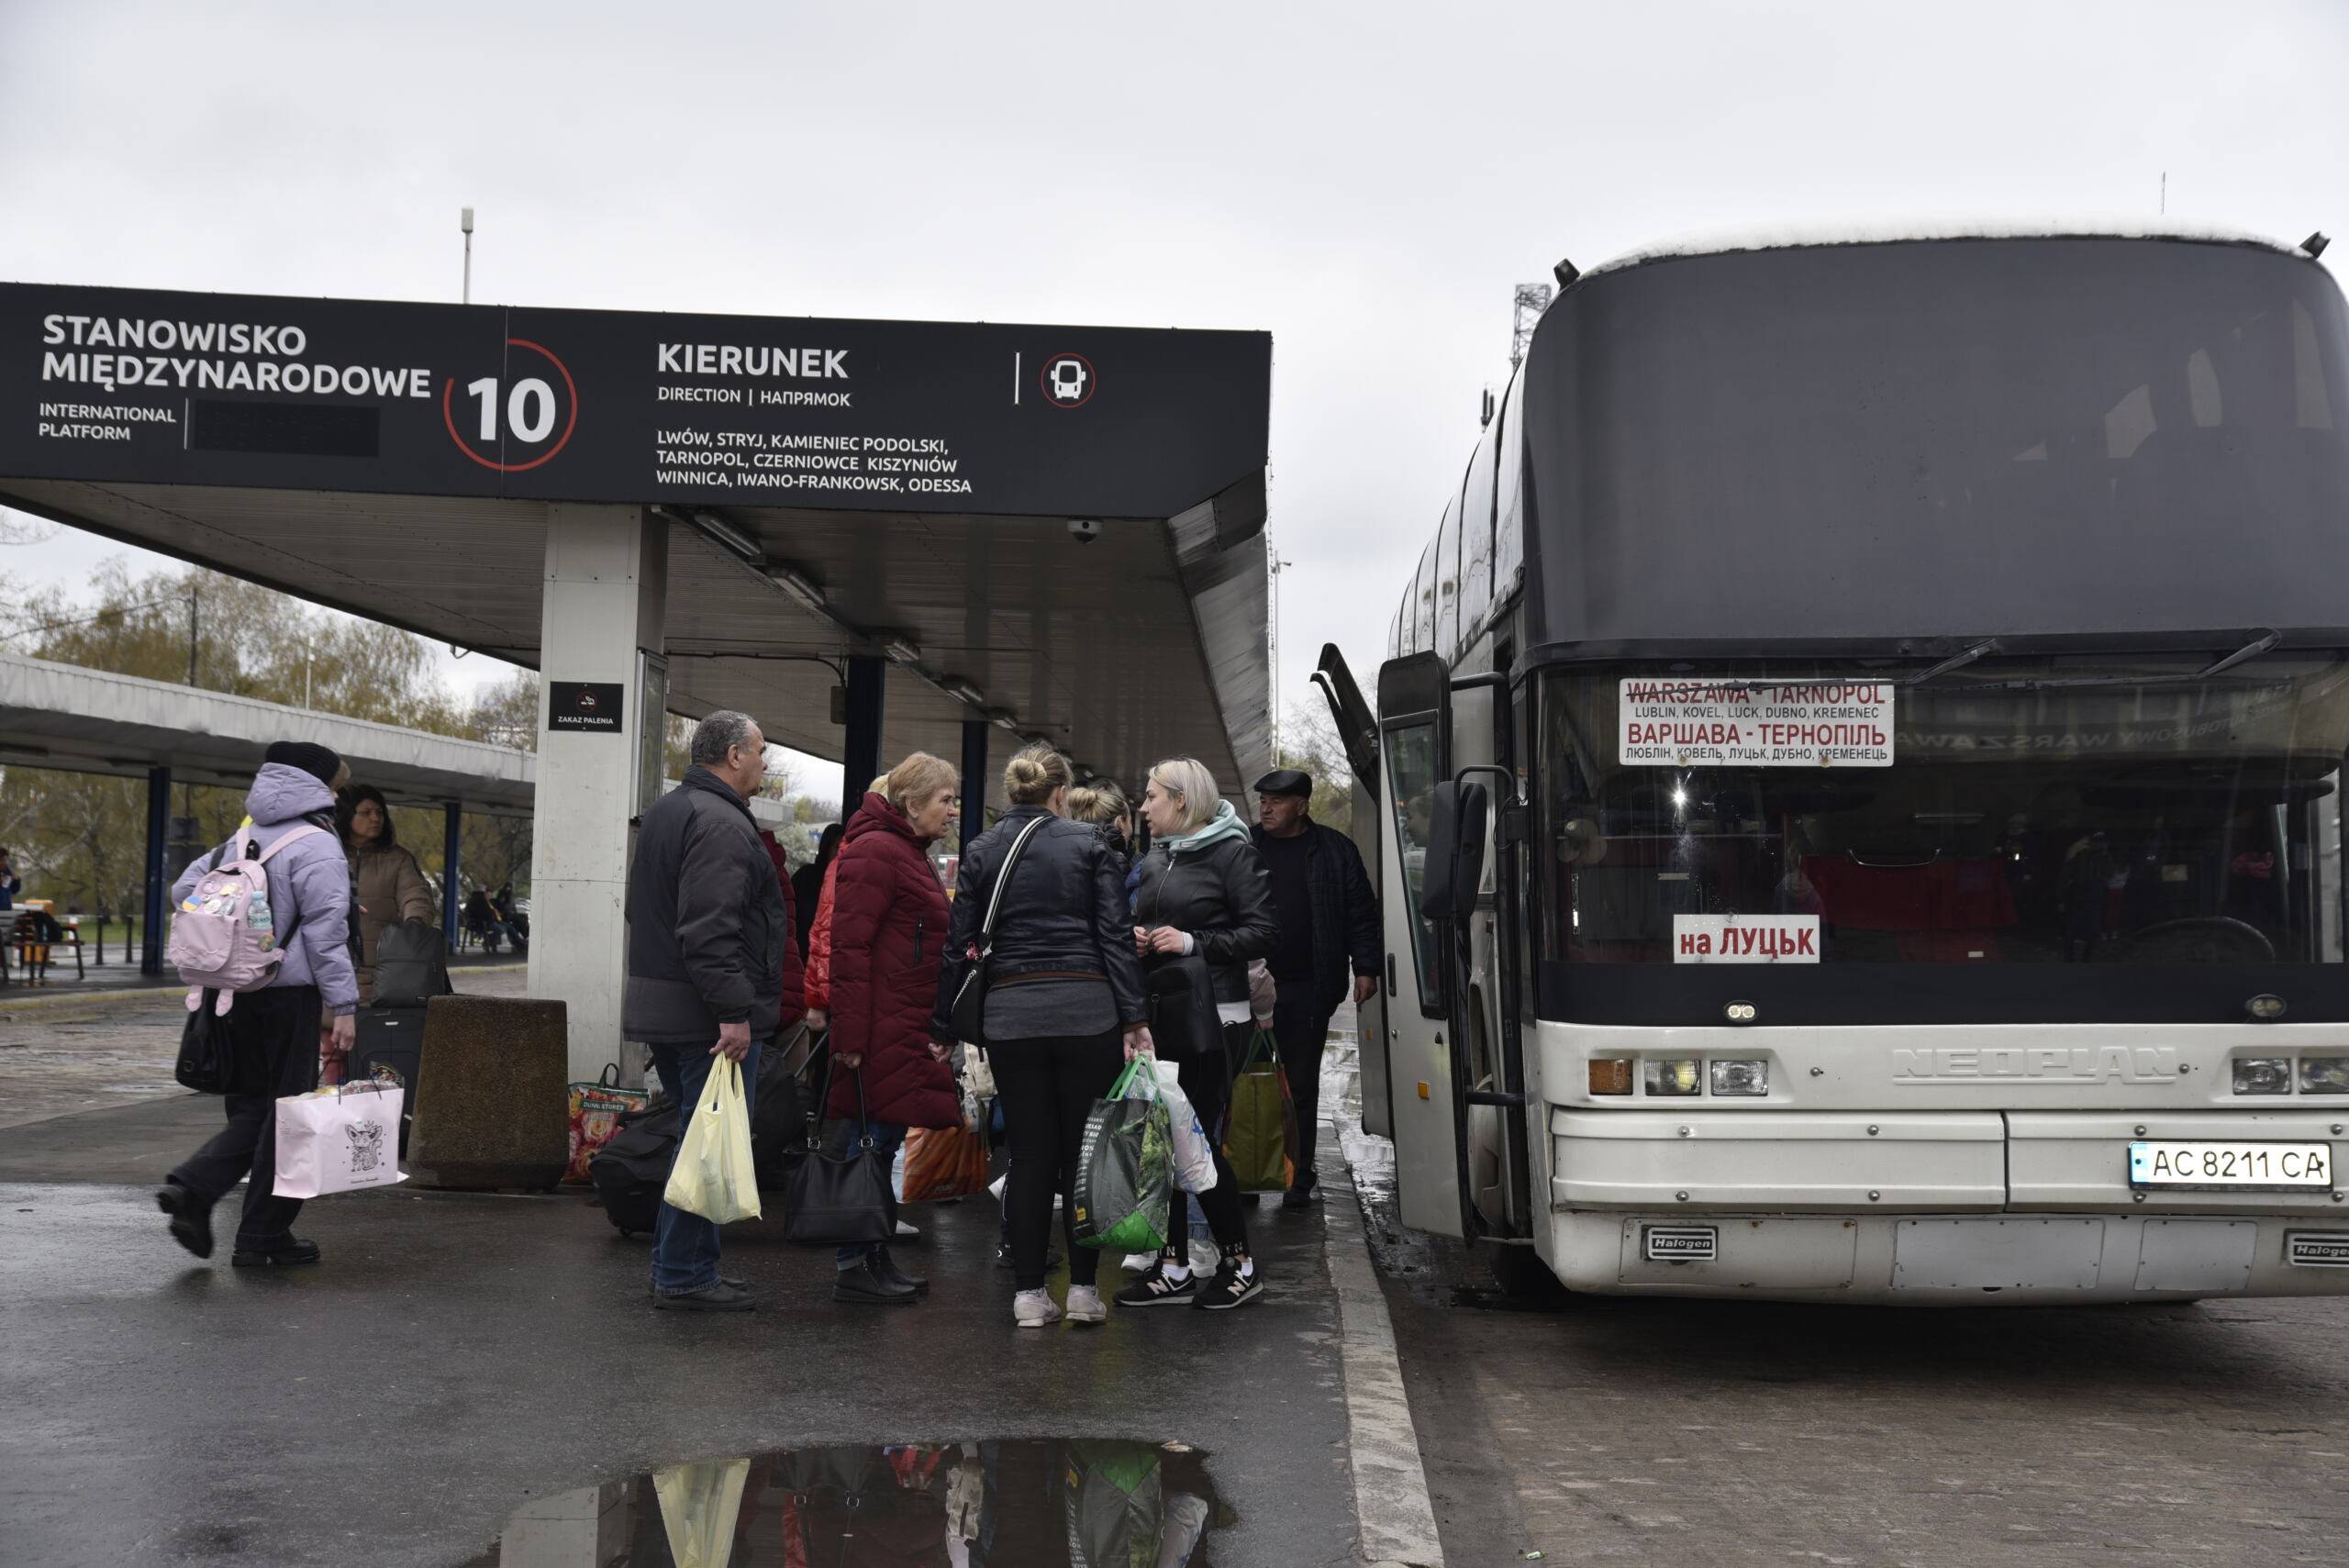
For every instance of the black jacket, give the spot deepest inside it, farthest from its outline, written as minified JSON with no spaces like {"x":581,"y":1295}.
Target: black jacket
{"x":1222,"y":896}
{"x":1346,"y":937}
{"x":707,"y":923}
{"x":1064,"y":913}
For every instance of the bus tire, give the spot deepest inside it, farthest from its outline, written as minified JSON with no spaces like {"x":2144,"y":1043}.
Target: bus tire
{"x":1519,"y":1272}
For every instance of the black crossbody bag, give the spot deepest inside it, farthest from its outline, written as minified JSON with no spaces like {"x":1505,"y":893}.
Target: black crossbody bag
{"x":971,"y":997}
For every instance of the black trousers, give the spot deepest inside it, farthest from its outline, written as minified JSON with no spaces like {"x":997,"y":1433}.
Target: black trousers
{"x":275,"y":1034}
{"x":1206,"y":1083}
{"x":1302,"y":1026}
{"x":1048,"y":1087}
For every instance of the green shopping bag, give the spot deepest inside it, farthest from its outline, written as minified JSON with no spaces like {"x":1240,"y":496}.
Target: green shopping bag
{"x":1260,"y":1128}
{"x":1125,"y":1167}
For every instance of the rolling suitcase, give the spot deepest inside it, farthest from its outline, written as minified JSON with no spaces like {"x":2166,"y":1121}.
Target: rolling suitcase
{"x":390,"y":1043}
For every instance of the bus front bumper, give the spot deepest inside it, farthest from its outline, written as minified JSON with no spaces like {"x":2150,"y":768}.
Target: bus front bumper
{"x":1949,"y":1259}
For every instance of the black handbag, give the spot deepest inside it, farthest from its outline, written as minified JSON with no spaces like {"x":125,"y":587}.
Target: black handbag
{"x":839,"y":1197}
{"x":207,"y":1059}
{"x":1179,"y":992}
{"x":969,"y":1012}
{"x":411,"y":963}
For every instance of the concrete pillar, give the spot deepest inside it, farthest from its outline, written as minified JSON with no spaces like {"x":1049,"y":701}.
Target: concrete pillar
{"x":452,"y":903}
{"x":606,"y":589}
{"x":159,"y":816}
{"x":861,"y":756}
{"x":975,"y":781}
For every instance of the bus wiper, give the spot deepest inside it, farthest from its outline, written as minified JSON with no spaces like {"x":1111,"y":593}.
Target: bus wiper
{"x":1956,"y":661}
{"x":2266,"y":642}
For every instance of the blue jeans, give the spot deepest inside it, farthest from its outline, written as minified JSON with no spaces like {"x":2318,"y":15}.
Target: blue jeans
{"x":887,"y":1136}
{"x":685,"y":1246}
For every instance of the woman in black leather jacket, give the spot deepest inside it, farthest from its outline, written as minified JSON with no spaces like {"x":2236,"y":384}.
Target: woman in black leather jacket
{"x":1064,"y":1010}
{"x":1203,"y":893}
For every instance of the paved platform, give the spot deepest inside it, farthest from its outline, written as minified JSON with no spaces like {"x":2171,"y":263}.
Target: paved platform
{"x":459,"y":1357}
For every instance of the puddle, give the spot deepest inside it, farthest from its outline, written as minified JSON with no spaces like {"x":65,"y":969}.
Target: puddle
{"x":1020,"y":1503}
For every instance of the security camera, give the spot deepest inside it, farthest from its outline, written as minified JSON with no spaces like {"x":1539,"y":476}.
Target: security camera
{"x":1084,"y":531}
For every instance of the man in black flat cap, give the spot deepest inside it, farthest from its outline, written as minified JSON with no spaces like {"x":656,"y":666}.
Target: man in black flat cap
{"x":1328,"y":920}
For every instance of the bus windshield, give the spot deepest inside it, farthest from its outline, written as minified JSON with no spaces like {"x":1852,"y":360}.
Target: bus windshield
{"x":2082,"y":810}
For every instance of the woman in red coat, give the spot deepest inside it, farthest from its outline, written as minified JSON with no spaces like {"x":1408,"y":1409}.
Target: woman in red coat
{"x":889,"y":918}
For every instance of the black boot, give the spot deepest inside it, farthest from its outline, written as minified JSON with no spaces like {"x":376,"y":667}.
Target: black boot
{"x":885,"y":1269}
{"x":285,"y":1251}
{"x":862,"y":1284}
{"x":191,"y":1218}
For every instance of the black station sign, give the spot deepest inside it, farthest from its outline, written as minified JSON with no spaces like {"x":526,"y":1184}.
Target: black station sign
{"x":584,"y":705}
{"x":141,"y":386}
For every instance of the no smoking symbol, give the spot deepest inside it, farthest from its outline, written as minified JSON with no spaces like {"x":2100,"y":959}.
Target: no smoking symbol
{"x":1068,"y":381}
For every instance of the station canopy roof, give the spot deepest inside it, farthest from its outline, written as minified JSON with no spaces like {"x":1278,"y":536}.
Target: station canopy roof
{"x":1057,"y":527}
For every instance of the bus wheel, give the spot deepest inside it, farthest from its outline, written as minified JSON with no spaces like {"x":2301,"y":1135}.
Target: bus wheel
{"x":1519,"y":1271}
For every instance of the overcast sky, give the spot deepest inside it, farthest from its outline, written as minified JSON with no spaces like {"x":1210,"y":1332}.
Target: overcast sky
{"x":1366,"y":182}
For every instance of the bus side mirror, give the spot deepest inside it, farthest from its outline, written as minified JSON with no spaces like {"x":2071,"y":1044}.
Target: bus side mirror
{"x":1456,"y":856}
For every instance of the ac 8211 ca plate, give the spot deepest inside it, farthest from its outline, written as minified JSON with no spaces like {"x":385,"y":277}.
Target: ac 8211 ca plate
{"x":2188,"y":1164}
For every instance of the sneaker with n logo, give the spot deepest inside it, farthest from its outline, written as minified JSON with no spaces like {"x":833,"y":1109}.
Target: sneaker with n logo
{"x":1229,"y":1287}
{"x":1156,"y":1289}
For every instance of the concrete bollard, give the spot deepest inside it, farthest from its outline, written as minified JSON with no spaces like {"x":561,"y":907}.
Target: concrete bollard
{"x":491,"y":1106}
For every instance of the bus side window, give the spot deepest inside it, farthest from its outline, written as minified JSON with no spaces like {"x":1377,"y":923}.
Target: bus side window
{"x":1412,"y":779}
{"x":1423,"y":612}
{"x":1477,"y":532}
{"x":1447,"y":584}
{"x":1509,"y":522}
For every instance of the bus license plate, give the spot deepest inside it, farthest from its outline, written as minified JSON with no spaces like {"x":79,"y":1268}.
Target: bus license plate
{"x":2254,"y":1167}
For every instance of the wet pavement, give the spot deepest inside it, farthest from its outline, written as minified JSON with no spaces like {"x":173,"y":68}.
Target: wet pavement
{"x":458,"y":1356}
{"x":1602,"y":1429}
{"x":1020,"y":1503}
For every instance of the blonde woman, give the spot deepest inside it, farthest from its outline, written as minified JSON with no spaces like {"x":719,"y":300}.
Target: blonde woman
{"x":1203,"y":892}
{"x":1104,"y":806}
{"x":1064,"y":1010}
{"x":888,"y":929}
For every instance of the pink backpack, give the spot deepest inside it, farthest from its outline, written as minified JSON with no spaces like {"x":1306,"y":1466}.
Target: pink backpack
{"x":224,"y":934}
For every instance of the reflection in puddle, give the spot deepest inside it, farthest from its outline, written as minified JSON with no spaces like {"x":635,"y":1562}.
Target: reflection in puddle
{"x":1026,"y":1503}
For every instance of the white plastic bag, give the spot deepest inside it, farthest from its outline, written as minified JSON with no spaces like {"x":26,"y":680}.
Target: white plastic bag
{"x":1194,"y":1155}
{"x":714,"y":1176}
{"x":338,"y":1139}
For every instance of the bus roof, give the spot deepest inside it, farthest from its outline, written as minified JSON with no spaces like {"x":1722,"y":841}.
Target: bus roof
{"x":1893,"y":231}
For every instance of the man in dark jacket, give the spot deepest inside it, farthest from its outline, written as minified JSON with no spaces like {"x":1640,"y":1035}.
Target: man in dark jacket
{"x":708,"y":932}
{"x":1328,"y":919}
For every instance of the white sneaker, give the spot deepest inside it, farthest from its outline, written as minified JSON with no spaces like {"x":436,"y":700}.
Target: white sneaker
{"x":1086,"y":1306}
{"x":907,"y":1232}
{"x":1035,"y":1309}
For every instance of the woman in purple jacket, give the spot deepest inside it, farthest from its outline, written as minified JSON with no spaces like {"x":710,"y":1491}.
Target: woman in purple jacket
{"x":275,"y":1031}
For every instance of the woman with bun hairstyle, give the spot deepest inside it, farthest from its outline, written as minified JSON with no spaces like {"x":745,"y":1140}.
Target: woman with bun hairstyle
{"x":1203,"y":891}
{"x":888,"y":929}
{"x":1104,"y":806}
{"x":1062,"y":1014}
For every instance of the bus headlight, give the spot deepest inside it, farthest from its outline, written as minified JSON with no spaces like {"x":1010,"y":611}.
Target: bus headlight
{"x":1739,"y":1077}
{"x":2324,"y":1075}
{"x":2263,"y":1074}
{"x":1674,"y":1075}
{"x":1610,"y":1075}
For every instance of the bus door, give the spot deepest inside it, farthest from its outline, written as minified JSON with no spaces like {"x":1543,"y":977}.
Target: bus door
{"x":1358,"y":734}
{"x":1415,"y":756}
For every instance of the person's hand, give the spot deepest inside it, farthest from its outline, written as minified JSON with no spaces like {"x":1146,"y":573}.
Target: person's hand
{"x":1142,"y":939}
{"x":1166,"y":938}
{"x":733,"y":1041}
{"x":1138,"y":1043}
{"x":1365,"y":987}
{"x":818,"y":1020}
{"x":851,"y":1059}
{"x":343,"y":1035}
{"x":940,"y":1050}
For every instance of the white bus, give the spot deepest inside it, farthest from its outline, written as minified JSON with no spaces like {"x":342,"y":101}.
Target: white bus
{"x":1859,"y":771}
